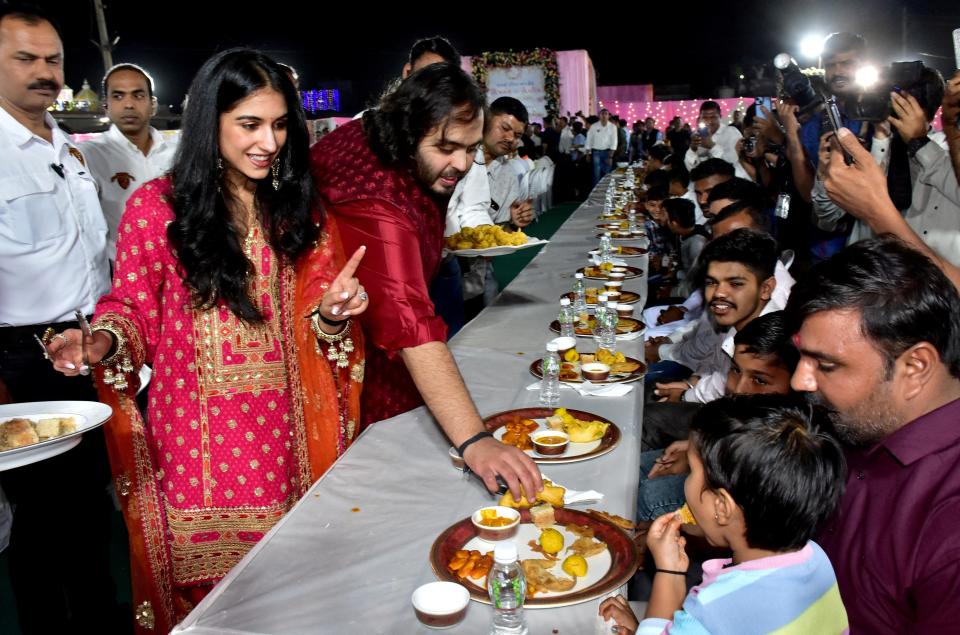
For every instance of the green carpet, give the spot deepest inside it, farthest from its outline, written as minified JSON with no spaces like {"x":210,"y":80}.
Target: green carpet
{"x":506,"y":268}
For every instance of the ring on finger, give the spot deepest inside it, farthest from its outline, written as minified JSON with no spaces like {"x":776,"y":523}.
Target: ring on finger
{"x":66,"y":340}
{"x":363,"y":296}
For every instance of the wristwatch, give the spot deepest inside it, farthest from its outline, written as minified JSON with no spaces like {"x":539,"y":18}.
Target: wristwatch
{"x":915,"y":144}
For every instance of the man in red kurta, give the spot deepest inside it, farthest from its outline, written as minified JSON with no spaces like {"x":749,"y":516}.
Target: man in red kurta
{"x":387,"y":179}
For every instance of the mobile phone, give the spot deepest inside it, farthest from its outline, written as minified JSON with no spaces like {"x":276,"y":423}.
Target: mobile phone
{"x":956,"y":46}
{"x":766,"y":103}
{"x":835,"y":122}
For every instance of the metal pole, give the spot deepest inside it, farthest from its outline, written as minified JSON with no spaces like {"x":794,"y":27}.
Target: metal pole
{"x":106,"y":50}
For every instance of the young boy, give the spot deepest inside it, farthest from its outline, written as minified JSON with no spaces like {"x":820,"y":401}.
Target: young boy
{"x":764,"y":359}
{"x":763,"y":476}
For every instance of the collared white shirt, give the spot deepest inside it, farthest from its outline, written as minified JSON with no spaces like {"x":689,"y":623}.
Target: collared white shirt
{"x":566,"y":140}
{"x":602,"y":137}
{"x":52,"y":232}
{"x":470,"y":204}
{"x":504,"y":188}
{"x":120,"y":168}
{"x":724,"y":147}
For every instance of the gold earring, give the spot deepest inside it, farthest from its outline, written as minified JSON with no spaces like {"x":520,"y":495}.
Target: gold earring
{"x":275,"y":169}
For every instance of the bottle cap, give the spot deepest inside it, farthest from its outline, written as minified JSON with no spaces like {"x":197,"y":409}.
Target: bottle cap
{"x":612,"y":304}
{"x":552,"y":347}
{"x":602,"y":298}
{"x":578,"y":276}
{"x":564,"y":301}
{"x":606,"y":234}
{"x":505,"y":552}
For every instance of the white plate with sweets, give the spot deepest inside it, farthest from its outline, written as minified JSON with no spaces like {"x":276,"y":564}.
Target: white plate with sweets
{"x":38,"y":430}
{"x":584,"y":435}
{"x":488,"y":240}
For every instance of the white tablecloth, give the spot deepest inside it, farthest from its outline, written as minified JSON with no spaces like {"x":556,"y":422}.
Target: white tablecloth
{"x":326,"y":568}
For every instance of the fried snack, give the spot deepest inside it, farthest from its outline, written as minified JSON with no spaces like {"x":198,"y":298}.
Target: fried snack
{"x":619,"y":521}
{"x":583,"y":531}
{"x":550,"y":493}
{"x":470,"y":564}
{"x":17,"y":433}
{"x":539,"y":578}
{"x":686,"y":516}
{"x":587,"y":546}
{"x":581,"y":431}
{"x":606,"y":357}
{"x":484,"y":237}
{"x":624,"y":367}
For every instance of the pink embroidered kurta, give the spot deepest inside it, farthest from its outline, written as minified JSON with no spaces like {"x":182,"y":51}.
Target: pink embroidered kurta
{"x":229,"y":460}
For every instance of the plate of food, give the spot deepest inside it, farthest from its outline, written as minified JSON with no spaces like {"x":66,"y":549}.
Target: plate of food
{"x":568,"y":556}
{"x":587,"y":435}
{"x":624,"y":326}
{"x":601,"y":272}
{"x":489,"y":240}
{"x":602,"y":367}
{"x":38,"y":430}
{"x":622,"y":251}
{"x":622,"y":234}
{"x":591,"y":294}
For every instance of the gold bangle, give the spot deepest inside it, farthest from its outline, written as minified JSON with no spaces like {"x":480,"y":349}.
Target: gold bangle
{"x":119,"y":343}
{"x":334,"y":354}
{"x":118,"y":364}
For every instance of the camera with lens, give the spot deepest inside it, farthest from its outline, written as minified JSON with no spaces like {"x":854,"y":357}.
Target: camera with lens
{"x":873,"y":102}
{"x":750,"y":144}
{"x":798,"y":86}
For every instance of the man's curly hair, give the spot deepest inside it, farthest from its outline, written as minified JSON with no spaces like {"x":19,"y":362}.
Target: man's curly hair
{"x":428,"y":98}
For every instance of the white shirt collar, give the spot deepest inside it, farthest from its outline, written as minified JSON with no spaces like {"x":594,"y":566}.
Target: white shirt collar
{"x":114,"y":133}
{"x":21,"y":135}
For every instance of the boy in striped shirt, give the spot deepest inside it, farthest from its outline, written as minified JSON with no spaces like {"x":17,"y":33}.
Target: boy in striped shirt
{"x":763,"y":476}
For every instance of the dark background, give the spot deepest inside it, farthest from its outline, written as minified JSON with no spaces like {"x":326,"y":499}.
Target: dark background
{"x":359,"y":47}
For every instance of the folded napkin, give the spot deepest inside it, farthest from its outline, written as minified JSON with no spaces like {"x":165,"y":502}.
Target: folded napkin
{"x":588,"y":389}
{"x":629,"y":337}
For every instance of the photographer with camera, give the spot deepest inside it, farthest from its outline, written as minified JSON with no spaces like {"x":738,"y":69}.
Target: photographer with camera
{"x":843,"y":54}
{"x":920,"y":178}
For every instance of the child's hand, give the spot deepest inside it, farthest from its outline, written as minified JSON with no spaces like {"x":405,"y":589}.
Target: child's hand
{"x":666,"y":544}
{"x":618,"y":610}
{"x":672,"y":461}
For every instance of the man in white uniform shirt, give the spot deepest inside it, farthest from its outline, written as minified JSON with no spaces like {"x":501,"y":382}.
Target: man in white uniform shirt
{"x":131,"y":152}
{"x":601,"y":144}
{"x":712,"y":139}
{"x":52,"y":261}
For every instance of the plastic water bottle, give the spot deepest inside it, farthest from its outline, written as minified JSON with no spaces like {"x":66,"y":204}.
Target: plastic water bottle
{"x":632,"y":219}
{"x":550,"y":384}
{"x":600,"y":316}
{"x":579,"y":295}
{"x":567,"y":319}
{"x":608,"y":335}
{"x":606,"y":248}
{"x":507,"y":587}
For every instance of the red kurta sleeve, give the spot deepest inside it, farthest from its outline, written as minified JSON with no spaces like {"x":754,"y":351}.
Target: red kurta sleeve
{"x":401,"y":313}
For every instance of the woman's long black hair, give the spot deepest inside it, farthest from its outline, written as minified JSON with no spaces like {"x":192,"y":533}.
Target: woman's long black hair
{"x":208,"y":246}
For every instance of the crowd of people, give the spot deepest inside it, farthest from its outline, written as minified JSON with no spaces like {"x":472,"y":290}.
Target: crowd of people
{"x":257,"y":302}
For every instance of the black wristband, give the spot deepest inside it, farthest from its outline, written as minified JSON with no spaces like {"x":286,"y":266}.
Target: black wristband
{"x":683,"y":573}
{"x":330,"y":322}
{"x":466,"y":444}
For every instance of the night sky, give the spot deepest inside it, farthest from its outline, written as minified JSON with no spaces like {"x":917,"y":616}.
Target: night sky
{"x":359,"y":49}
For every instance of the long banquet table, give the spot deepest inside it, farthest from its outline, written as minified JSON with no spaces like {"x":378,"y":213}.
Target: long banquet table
{"x":348,"y":557}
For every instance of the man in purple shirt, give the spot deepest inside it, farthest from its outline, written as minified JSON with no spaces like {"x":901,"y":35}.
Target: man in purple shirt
{"x":878,"y":329}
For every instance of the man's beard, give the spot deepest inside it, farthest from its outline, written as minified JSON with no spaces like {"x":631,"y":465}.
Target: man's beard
{"x":867,"y":423}
{"x":429,"y":178}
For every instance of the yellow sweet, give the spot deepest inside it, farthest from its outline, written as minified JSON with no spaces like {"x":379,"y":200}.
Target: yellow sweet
{"x":484,"y":237}
{"x":575,"y":565}
{"x":551,"y":541}
{"x":571,"y":356}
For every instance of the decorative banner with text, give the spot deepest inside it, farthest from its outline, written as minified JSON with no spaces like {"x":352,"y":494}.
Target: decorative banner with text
{"x":522,"y":82}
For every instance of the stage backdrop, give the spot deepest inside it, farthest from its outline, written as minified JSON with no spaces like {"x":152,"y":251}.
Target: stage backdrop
{"x":544,"y":80}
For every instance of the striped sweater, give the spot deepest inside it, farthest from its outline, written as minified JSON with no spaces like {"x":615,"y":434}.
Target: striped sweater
{"x":788,"y":594}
